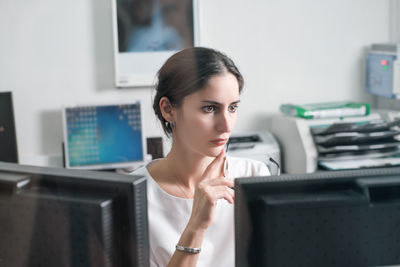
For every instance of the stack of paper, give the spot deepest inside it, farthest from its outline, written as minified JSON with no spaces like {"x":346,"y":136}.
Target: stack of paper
{"x":352,"y":145}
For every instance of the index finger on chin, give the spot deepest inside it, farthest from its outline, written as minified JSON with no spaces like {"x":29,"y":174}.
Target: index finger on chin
{"x":215,"y":165}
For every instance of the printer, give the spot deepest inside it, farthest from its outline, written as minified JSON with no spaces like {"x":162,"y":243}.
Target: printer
{"x":299,"y":152}
{"x":258,"y":145}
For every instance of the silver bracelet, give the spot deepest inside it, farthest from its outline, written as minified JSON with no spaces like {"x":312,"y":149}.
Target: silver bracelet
{"x":187,"y":249}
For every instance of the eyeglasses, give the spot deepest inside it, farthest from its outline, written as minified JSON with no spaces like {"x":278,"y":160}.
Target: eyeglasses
{"x":278,"y":169}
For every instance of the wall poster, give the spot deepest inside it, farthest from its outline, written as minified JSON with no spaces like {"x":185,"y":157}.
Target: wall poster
{"x":146,"y":33}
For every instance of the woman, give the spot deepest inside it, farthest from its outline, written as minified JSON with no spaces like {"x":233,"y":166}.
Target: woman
{"x":197,"y":99}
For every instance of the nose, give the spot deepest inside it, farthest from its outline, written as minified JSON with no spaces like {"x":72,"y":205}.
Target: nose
{"x":225,"y":122}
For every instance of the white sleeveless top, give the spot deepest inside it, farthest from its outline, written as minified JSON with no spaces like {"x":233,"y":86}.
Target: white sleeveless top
{"x":168,"y":216}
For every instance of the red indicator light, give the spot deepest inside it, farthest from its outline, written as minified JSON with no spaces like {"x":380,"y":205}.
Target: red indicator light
{"x":384,"y":62}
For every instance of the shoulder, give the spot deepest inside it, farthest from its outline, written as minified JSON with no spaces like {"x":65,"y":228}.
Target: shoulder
{"x":144,"y":170}
{"x":140,"y":171}
{"x":239,"y":167}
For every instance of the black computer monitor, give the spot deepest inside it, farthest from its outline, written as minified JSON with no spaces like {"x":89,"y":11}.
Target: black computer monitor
{"x":8,"y":138}
{"x":58,"y":217}
{"x":338,"y":218}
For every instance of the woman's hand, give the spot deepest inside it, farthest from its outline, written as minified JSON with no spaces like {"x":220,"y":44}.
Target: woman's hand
{"x":213,"y":186}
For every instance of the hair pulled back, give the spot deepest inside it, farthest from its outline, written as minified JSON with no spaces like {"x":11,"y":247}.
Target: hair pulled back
{"x":189,"y":71}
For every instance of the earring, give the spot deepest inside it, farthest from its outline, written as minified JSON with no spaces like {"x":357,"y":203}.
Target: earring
{"x":170,"y":124}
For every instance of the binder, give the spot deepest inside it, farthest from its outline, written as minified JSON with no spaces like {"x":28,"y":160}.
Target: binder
{"x":326,"y":110}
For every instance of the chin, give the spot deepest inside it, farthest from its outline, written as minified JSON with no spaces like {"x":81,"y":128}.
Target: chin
{"x":214,"y":152}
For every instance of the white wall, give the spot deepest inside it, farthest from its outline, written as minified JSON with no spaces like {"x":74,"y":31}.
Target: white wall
{"x":59,"y":52}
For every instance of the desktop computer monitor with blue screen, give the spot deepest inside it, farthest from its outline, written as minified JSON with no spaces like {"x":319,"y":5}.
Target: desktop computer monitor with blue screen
{"x":103,"y":136}
{"x":338,"y":218}
{"x":59,"y":217}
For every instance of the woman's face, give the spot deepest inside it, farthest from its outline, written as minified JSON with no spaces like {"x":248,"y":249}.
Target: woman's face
{"x":206,"y":118}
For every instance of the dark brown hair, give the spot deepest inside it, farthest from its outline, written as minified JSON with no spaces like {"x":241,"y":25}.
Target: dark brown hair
{"x":187,"y":72}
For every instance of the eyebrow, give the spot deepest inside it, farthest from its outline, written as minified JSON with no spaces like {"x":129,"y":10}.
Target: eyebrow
{"x":217,"y":103}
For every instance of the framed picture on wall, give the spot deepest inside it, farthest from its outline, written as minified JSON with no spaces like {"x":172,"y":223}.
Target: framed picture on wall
{"x":146,"y":33}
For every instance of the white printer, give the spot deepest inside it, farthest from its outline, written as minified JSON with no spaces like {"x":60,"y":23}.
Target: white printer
{"x":260,"y":145}
{"x":299,"y":152}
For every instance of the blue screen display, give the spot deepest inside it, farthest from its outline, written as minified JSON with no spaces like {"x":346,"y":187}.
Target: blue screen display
{"x":99,"y":135}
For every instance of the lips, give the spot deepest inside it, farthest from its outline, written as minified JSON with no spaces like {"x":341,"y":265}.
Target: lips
{"x":219,"y":142}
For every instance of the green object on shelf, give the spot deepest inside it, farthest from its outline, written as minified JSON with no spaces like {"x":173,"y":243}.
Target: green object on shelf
{"x":326,"y":110}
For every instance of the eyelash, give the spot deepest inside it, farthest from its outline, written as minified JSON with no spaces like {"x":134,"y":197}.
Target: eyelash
{"x":213,"y":108}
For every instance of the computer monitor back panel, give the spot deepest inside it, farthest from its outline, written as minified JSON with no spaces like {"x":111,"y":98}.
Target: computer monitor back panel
{"x":81,"y":239}
{"x":336,"y":219}
{"x":8,"y":140}
{"x":104,"y":136}
{"x":58,"y":217}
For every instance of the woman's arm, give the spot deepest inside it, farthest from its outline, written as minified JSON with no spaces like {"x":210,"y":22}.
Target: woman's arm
{"x":190,"y":238}
{"x":212,"y":187}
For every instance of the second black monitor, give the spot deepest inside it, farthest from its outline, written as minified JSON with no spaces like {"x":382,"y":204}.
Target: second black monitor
{"x":8,"y":139}
{"x":59,"y":217}
{"x":341,"y":218}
